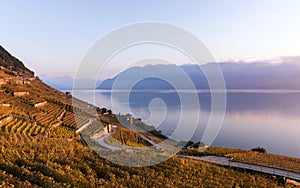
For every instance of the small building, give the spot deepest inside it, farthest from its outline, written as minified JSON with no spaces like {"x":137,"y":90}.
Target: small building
{"x":5,"y":119}
{"x":31,"y":78}
{"x":69,"y":95}
{"x":129,"y":118}
{"x":40,"y":104}
{"x":4,"y":81}
{"x":109,"y":128}
{"x":21,"y":93}
{"x":21,"y":80}
{"x":5,"y":105}
{"x":138,"y":120}
{"x":114,"y":128}
{"x":196,"y":145}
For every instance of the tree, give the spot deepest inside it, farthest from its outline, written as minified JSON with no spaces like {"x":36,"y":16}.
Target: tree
{"x":104,"y":110}
{"x":259,"y":149}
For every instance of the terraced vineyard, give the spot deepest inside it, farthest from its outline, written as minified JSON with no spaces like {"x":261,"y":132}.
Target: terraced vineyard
{"x":4,"y":97}
{"x":49,"y":115}
{"x":95,"y":128}
{"x":32,"y":99}
{"x":74,"y":121}
{"x":44,"y":119}
{"x":37,"y":151}
{"x":19,"y":129}
{"x":58,"y":107}
{"x":62,"y":132}
{"x":21,"y":106}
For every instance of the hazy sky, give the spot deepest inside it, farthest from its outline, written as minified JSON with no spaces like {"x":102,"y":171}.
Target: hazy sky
{"x":53,"y":36}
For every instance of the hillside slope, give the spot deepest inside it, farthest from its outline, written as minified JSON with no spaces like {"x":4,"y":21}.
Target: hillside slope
{"x":40,"y":148}
{"x":10,"y":62}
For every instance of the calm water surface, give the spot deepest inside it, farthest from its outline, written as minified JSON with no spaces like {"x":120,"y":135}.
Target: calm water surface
{"x":253,"y":118}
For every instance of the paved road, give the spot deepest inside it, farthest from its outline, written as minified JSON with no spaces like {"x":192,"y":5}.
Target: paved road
{"x":155,"y":144}
{"x":225,"y":161}
{"x":102,"y":143}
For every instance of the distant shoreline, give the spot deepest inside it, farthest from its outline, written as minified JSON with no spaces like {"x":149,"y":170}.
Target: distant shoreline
{"x":197,"y":90}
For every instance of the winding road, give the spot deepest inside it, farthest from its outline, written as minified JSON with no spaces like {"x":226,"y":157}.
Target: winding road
{"x":225,"y":161}
{"x":155,"y":144}
{"x":101,"y":141}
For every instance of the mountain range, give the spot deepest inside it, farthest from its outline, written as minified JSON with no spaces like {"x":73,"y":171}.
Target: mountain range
{"x":259,"y":75}
{"x":66,"y":82}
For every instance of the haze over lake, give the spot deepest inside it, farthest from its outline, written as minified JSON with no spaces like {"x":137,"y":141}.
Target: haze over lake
{"x":267,"y":118}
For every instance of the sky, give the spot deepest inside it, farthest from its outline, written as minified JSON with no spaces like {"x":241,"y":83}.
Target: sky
{"x":52,"y":36}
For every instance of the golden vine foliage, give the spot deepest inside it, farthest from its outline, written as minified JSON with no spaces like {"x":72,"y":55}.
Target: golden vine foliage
{"x":35,"y":153}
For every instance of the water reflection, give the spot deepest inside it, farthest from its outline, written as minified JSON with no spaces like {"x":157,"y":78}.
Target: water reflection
{"x":253,"y":118}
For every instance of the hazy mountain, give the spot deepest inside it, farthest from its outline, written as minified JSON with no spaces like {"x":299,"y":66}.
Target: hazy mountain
{"x":259,"y":75}
{"x":62,"y":83}
{"x":66,"y":82}
{"x":135,"y":73}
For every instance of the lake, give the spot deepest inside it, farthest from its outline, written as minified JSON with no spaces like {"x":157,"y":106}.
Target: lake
{"x":270,"y":119}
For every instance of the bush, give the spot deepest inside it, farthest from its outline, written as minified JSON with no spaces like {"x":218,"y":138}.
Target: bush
{"x":259,"y":149}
